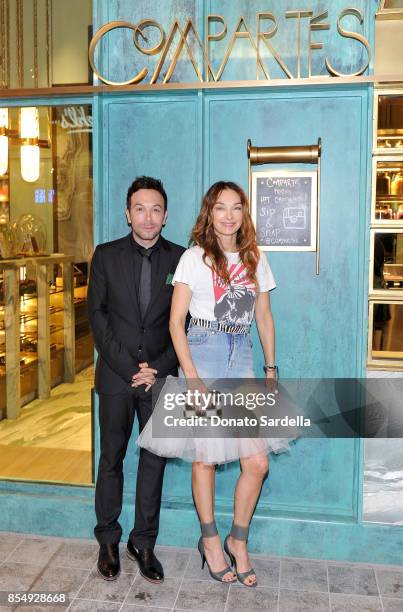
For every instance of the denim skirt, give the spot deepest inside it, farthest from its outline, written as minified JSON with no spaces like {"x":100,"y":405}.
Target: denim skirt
{"x":216,"y":355}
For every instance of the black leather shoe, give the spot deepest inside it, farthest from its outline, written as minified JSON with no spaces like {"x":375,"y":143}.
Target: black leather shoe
{"x":108,"y":561}
{"x":149,"y":566}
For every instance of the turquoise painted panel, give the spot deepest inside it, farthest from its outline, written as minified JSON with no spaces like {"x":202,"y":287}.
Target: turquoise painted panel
{"x":318,"y":318}
{"x":303,"y":303}
{"x":156,"y":137}
{"x":68,"y":512}
{"x":159,"y":137}
{"x":315,"y":479}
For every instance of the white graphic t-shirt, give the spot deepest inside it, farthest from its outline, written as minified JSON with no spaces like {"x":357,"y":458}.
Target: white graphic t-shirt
{"x":212,"y":299}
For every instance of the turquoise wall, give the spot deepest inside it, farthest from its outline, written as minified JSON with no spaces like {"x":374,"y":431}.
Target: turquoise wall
{"x":311,"y":504}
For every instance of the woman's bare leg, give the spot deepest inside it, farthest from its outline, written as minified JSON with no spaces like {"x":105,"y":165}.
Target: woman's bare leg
{"x":247,"y":491}
{"x":203,"y":487}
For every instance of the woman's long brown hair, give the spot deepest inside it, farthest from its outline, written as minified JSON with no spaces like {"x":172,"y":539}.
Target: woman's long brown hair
{"x":204,"y":236}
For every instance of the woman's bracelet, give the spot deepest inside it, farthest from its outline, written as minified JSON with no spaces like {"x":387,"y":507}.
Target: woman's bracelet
{"x":270,"y":366}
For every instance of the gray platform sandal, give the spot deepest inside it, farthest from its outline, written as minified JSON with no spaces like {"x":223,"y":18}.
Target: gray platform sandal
{"x":239,"y":533}
{"x":209,"y":530}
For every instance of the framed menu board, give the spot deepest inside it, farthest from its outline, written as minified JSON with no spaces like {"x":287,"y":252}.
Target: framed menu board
{"x":284,"y":210}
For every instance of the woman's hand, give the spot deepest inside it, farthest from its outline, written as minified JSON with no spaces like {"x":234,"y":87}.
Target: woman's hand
{"x":271,"y":381}
{"x":199,"y":393}
{"x":265,"y":327}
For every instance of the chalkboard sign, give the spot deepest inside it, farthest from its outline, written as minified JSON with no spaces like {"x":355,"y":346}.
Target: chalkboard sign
{"x":284,"y":206}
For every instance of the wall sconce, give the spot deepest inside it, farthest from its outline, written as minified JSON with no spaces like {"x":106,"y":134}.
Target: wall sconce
{"x":27,"y":138}
{"x":3,"y":141}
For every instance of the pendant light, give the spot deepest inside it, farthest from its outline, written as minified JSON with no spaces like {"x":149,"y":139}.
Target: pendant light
{"x":3,"y":141}
{"x":29,"y":134}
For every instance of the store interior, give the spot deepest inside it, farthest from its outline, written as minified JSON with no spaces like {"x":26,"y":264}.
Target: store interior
{"x":46,"y":244}
{"x":386,"y":234}
{"x":46,"y":223}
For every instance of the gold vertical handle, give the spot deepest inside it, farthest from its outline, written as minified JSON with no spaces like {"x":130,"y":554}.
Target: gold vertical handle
{"x":318,"y":209}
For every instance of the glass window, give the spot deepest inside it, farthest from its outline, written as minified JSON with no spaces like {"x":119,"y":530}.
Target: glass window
{"x":392,"y":4}
{"x":388,"y":192}
{"x":390,"y":122}
{"x":45,"y":44}
{"x":46,"y":243}
{"x":383,"y":485}
{"x":386,"y":339}
{"x":387,"y":260}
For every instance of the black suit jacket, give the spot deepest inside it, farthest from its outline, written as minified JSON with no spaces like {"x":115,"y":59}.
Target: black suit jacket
{"x":115,"y":318}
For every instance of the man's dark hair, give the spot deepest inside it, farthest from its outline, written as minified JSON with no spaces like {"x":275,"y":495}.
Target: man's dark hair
{"x":146,"y":182}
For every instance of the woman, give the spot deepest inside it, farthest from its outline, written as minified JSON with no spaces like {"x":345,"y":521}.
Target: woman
{"x":223,"y":281}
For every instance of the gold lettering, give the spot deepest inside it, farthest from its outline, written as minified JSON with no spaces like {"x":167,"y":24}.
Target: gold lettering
{"x":314,"y":25}
{"x":354,"y":35}
{"x":265,"y":32}
{"x":142,"y":25}
{"x":264,"y":36}
{"x":209,"y":37}
{"x":182,"y":43}
{"x":239,"y":34}
{"x":298,"y":15}
{"x":91,"y":53}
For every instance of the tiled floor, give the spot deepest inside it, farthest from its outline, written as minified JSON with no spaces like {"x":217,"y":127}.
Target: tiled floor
{"x":37,"y":564}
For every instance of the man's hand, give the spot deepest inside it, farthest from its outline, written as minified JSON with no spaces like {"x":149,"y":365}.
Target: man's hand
{"x":146,"y":376}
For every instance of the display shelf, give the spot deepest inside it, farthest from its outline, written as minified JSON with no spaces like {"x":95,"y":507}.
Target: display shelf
{"x":385,"y":299}
{"x":44,"y":322}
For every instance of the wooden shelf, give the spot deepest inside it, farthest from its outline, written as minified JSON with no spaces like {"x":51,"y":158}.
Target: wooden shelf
{"x":45,"y":328}
{"x":389,"y":198}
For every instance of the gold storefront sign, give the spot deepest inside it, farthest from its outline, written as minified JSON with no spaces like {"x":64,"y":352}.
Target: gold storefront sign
{"x":266,"y":30}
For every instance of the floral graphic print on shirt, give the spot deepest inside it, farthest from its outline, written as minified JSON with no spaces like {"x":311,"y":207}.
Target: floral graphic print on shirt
{"x":234,"y":302}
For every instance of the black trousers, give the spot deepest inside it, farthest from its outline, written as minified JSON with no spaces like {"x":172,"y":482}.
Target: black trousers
{"x":116,"y":418}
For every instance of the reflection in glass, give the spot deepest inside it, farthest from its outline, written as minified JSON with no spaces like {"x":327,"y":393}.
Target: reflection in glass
{"x":390,"y":122}
{"x":72,"y":171}
{"x":389,"y":191}
{"x":49,"y":439}
{"x":387,"y":331}
{"x":44,"y":43}
{"x":383,"y":481}
{"x":392,"y":4}
{"x":388,"y":261}
{"x":383,"y":474}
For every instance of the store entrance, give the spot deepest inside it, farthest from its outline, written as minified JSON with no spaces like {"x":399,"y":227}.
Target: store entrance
{"x":46,"y":244}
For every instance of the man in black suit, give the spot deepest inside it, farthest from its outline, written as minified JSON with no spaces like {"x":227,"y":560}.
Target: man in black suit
{"x":129,"y":298}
